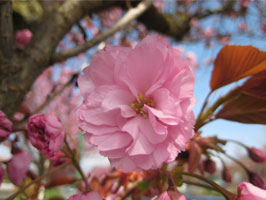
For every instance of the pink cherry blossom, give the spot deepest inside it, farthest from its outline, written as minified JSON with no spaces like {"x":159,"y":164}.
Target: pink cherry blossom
{"x":23,"y":38}
{"x":208,"y":33}
{"x":170,"y":195}
{"x":247,"y":191}
{"x":5,"y":126}
{"x":243,"y":27}
{"x":45,"y":133}
{"x":2,"y":174}
{"x":18,"y":166}
{"x":137,"y":107}
{"x":88,"y":196}
{"x":192,"y":60}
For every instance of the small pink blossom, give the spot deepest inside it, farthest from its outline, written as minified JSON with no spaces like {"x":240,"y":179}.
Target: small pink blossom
{"x":23,"y":38}
{"x":18,"y":166}
{"x":208,"y":33}
{"x":256,"y":154}
{"x":192,"y":60}
{"x":2,"y":174}
{"x":243,"y":27}
{"x":137,"y":109}
{"x":88,"y":196}
{"x":171,"y":195}
{"x":247,"y":191}
{"x":5,"y":126}
{"x":45,"y":133}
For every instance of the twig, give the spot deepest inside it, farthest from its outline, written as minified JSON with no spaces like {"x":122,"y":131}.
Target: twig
{"x":6,"y":29}
{"x":132,"y":14}
{"x":51,"y":171}
{"x":200,"y":185}
{"x":228,"y":195}
{"x":20,"y":124}
{"x":77,"y":166}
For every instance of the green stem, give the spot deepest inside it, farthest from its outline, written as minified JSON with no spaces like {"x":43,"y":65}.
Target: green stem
{"x":224,"y":192}
{"x":236,"y":161}
{"x":51,"y":171}
{"x":206,"y":116}
{"x":200,"y":185}
{"x":77,"y":166}
{"x":237,"y":142}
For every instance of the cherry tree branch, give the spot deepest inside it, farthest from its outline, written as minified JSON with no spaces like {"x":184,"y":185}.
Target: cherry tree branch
{"x":132,"y":14}
{"x":6,"y":29}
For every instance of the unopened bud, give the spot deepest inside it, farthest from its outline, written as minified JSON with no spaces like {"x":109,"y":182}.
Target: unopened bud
{"x":209,"y":166}
{"x":257,"y":180}
{"x":256,"y":154}
{"x":226,"y":175}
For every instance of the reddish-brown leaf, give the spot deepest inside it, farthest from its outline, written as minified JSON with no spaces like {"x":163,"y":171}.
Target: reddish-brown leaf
{"x":244,"y":108}
{"x":236,"y":62}
{"x":255,"y":86}
{"x":194,"y":156}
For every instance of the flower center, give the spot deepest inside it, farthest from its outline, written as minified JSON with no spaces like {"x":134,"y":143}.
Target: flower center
{"x":138,"y":105}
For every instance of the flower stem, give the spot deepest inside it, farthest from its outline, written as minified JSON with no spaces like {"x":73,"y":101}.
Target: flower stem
{"x":51,"y":171}
{"x":236,"y":161}
{"x":237,"y":142}
{"x":77,"y":166}
{"x":200,"y":185}
{"x":228,"y":195}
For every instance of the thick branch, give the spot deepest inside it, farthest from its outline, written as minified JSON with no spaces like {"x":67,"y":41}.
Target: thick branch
{"x":6,"y":29}
{"x":178,"y":26}
{"x":29,"y":64}
{"x":132,"y":14}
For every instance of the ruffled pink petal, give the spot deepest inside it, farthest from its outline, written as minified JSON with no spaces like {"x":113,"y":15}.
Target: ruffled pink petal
{"x":125,"y":163}
{"x":97,"y":117}
{"x":167,"y":103}
{"x":119,"y":99}
{"x":149,"y":132}
{"x":158,"y":127}
{"x":97,"y":130}
{"x":115,"y":141}
{"x":143,"y":162}
{"x":165,"y":118}
{"x":141,"y":146}
{"x":247,"y":191}
{"x":144,"y":67}
{"x":85,"y":83}
{"x":160,"y":155}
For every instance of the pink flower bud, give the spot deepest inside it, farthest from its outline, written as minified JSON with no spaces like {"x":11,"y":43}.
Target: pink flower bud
{"x":256,"y":154}
{"x":18,"y":166}
{"x":171,"y":195}
{"x":45,"y":133}
{"x":226,"y":175}
{"x":209,"y":166}
{"x":5,"y":126}
{"x":247,"y":191}
{"x":2,"y":174}
{"x":88,"y":196}
{"x":256,"y":180}
{"x":23,"y":38}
